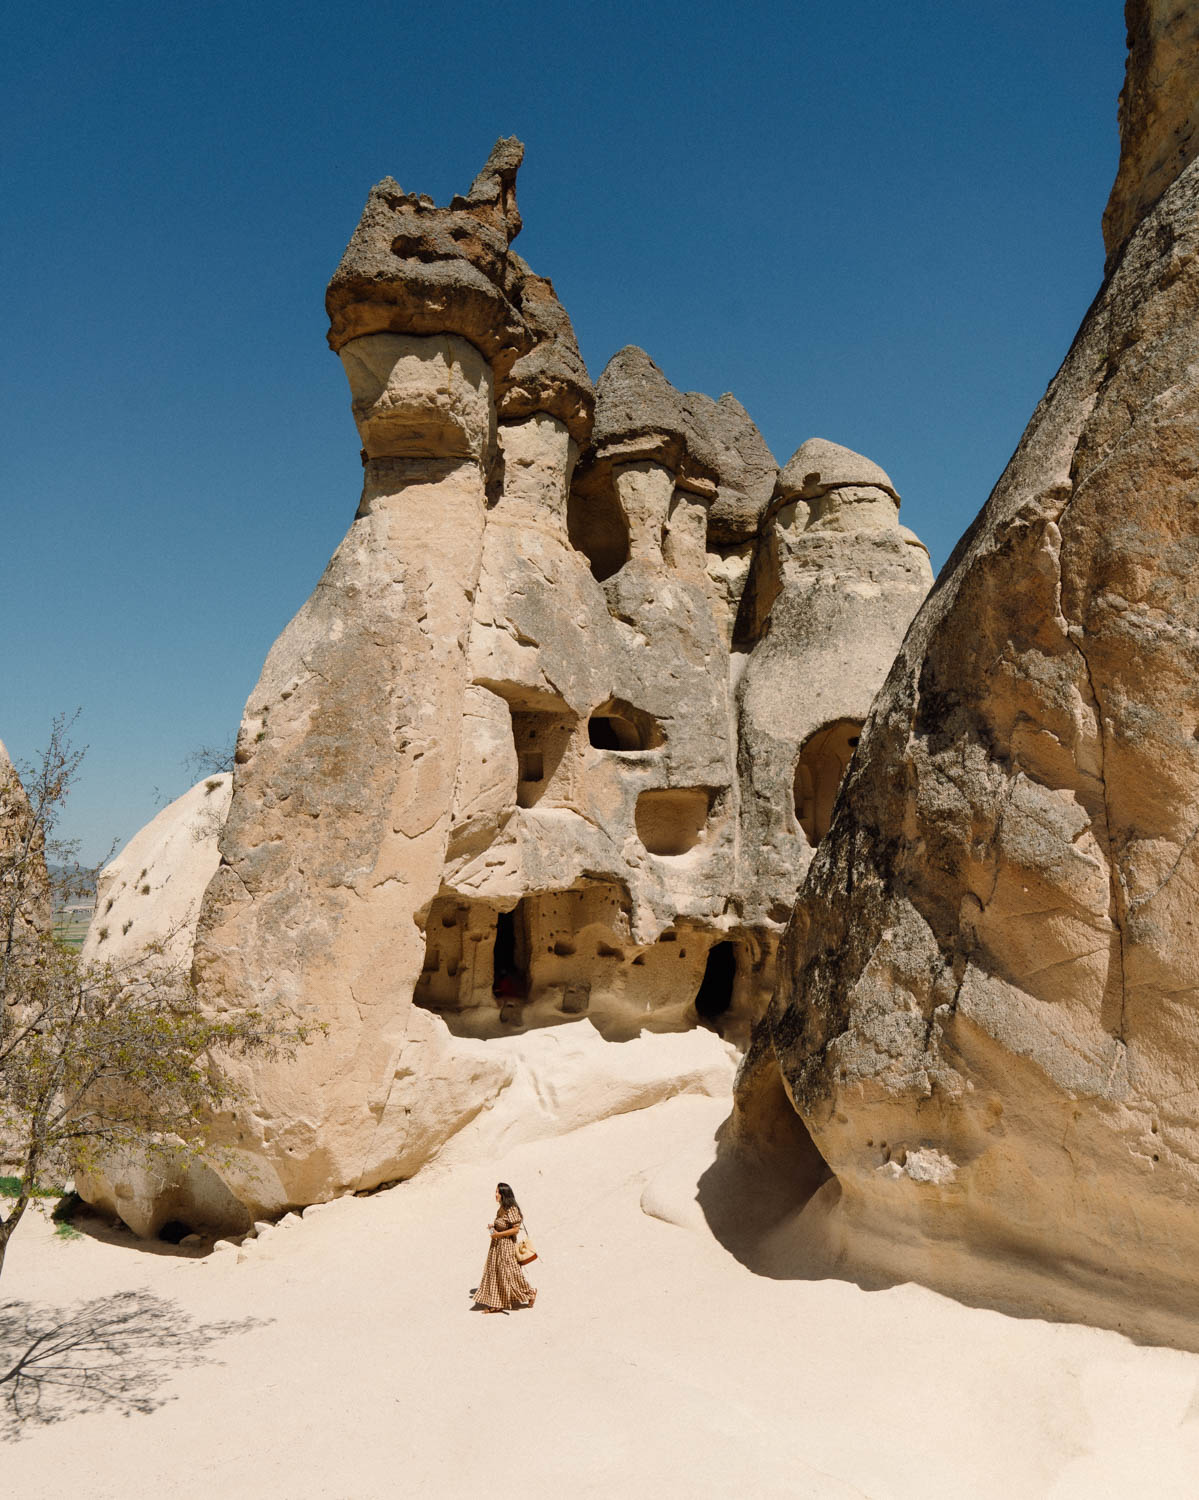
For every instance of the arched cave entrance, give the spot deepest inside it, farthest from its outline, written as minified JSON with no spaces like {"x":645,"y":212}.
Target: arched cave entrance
{"x":818,"y":774}
{"x":715,"y":994}
{"x":617,"y":725}
{"x":597,"y":527}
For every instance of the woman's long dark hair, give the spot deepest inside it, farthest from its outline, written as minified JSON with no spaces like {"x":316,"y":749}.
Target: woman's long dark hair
{"x":507,"y":1196}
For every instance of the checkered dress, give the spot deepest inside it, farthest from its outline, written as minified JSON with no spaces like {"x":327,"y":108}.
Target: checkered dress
{"x":503,"y":1284}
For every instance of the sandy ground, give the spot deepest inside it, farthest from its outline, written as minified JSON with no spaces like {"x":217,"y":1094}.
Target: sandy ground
{"x":653,"y":1364}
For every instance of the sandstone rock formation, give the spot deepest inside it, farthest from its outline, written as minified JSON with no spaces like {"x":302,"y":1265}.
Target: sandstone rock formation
{"x":1159,"y":128}
{"x":151,"y":892}
{"x":988,"y":1009}
{"x":24,"y":882}
{"x":493,"y":779}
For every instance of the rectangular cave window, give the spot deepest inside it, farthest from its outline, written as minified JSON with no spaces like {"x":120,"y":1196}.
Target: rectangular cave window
{"x":541,"y":738}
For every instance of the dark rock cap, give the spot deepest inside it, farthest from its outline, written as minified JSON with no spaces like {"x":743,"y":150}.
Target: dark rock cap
{"x":712,"y":446}
{"x":414,"y":268}
{"x":638,"y":409}
{"x":550,"y":376}
{"x":746,"y":468}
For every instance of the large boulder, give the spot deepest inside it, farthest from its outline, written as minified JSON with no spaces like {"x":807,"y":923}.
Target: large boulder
{"x":988,"y":1010}
{"x":150,"y":894}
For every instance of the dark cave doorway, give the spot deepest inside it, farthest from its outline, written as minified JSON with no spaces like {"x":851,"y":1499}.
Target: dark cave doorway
{"x":715,"y":995}
{"x":509,"y":965}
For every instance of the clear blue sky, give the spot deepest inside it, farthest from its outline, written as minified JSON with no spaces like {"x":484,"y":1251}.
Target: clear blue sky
{"x":874,"y":222}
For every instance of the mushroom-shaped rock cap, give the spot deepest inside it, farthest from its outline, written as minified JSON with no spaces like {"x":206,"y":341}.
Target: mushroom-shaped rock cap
{"x":639,"y":414}
{"x":550,"y":375}
{"x":818,"y":466}
{"x":414,"y":268}
{"x":746,"y":468}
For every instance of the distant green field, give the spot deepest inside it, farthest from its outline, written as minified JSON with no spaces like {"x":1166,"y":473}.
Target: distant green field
{"x":70,"y":927}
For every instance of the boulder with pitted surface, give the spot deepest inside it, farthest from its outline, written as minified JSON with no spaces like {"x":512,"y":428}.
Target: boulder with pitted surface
{"x":988,"y":1010}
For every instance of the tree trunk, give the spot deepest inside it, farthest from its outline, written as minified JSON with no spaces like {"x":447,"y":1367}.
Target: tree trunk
{"x":10,"y":1224}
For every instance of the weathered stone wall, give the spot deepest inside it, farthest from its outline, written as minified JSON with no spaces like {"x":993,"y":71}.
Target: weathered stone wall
{"x":1159,"y":111}
{"x":988,"y":1010}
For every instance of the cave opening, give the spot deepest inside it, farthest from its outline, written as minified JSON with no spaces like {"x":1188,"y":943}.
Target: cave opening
{"x":597,"y":527}
{"x":823,"y":761}
{"x":715,"y":995}
{"x":509,"y":968}
{"x":541,"y":737}
{"x":617,"y":725}
{"x":672,"y":820}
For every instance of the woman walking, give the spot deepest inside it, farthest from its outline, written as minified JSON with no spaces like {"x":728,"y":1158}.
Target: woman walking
{"x":503,"y":1284}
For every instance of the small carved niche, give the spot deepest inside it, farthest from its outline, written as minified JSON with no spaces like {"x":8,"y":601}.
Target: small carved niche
{"x":617,"y":725}
{"x":671,"y":820}
{"x":821,"y":767}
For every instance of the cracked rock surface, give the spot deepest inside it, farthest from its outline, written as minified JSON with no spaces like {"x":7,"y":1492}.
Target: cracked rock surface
{"x":996,"y":955}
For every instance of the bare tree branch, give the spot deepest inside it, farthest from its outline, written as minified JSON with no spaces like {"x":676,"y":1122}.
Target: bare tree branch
{"x":97,"y":1058}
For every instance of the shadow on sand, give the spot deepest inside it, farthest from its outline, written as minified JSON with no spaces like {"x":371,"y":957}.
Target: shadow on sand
{"x":104,"y":1231}
{"x":112,"y":1353}
{"x":779,"y":1211}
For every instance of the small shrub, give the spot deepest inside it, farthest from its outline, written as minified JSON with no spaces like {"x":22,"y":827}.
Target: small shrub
{"x":210,"y":787}
{"x":66,"y":1231}
{"x":126,"y":926}
{"x":11,"y":1186}
{"x":145,"y":890}
{"x":103,"y":934}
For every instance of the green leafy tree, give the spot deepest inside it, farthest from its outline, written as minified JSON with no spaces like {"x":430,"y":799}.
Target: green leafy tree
{"x":98,"y":1059}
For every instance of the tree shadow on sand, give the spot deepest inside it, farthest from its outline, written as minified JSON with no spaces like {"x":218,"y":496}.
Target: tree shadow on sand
{"x":112,"y":1353}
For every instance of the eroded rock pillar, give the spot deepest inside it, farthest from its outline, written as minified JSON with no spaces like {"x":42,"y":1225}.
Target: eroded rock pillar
{"x":345,"y":779}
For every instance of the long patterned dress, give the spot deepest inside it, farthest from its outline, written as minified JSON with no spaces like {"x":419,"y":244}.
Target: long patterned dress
{"x":503,"y":1284}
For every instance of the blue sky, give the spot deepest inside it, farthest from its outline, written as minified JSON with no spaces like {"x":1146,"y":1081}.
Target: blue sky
{"x":875,"y":223}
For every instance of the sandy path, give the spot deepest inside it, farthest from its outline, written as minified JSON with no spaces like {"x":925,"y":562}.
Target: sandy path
{"x":654,"y":1363}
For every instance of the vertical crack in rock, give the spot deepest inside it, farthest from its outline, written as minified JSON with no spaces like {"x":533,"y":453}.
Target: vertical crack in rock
{"x":1119,"y":898}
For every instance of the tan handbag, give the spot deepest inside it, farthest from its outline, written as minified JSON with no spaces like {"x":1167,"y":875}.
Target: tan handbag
{"x":525,"y":1253}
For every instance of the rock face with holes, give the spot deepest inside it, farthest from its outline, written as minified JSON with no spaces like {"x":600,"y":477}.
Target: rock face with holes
{"x":489,"y":809}
{"x":835,"y":584}
{"x":151,"y":892}
{"x":24,"y":883}
{"x":988,"y":1015}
